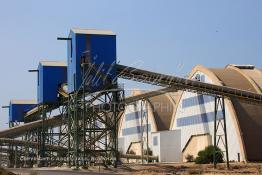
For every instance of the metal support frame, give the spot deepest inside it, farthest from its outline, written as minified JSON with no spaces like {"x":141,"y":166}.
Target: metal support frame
{"x":220,"y":129}
{"x":93,"y":124}
{"x":52,"y":136}
{"x":43,"y":135}
{"x":62,"y":135}
{"x":14,"y":150}
{"x":30,"y":154}
{"x":92,"y":131}
{"x":143,"y":128}
{"x":91,"y":134}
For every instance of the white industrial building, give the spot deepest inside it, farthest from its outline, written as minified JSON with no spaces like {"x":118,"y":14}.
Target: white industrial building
{"x":189,"y":126}
{"x":167,"y":150}
{"x":194,"y":114}
{"x":133,"y":127}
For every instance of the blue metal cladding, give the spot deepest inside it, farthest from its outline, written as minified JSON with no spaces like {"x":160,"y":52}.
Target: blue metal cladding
{"x":135,"y":130}
{"x":17,"y":111}
{"x":198,"y":119}
{"x":101,"y":51}
{"x":133,"y":115}
{"x":196,"y":100}
{"x":49,"y":80}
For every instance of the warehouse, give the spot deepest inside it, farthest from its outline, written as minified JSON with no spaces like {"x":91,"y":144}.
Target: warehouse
{"x":194,"y":114}
{"x":191,"y":118}
{"x":133,"y":127}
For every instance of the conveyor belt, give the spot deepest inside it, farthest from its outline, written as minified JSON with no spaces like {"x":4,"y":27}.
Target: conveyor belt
{"x":21,"y":129}
{"x":171,"y":83}
{"x":175,"y":83}
{"x":56,"y":120}
{"x":33,"y":113}
{"x":29,"y":143}
{"x":186,"y":84}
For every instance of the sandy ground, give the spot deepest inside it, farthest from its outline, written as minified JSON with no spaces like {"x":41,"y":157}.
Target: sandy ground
{"x":191,"y":168}
{"x":152,"y":169}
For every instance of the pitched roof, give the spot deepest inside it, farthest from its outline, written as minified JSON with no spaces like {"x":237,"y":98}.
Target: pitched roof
{"x":248,"y":115}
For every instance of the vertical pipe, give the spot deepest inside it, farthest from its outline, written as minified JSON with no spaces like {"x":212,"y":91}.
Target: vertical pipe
{"x":106,"y":119}
{"x":15,"y":156}
{"x":147,"y":130}
{"x":115,"y":134}
{"x":141,"y":130}
{"x":69,"y":132}
{"x":75,"y":125}
{"x":84,"y":118}
{"x":43,"y":139}
{"x":225,"y":130}
{"x":215,"y":132}
{"x":76,"y":135}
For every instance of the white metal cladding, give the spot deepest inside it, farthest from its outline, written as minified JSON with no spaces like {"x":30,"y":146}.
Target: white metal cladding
{"x":156,"y":147}
{"x":190,"y":114}
{"x":167,"y":146}
{"x":130,"y":130}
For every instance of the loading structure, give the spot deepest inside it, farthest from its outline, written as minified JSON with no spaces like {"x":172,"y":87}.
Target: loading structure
{"x":93,"y":101}
{"x":17,"y":110}
{"x":92,"y":83}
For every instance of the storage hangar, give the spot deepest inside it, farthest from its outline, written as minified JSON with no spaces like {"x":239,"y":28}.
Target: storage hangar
{"x":133,"y":127}
{"x":191,"y":119}
{"x":194,"y":114}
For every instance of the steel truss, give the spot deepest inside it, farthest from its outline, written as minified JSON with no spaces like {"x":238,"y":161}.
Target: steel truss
{"x":45,"y":135}
{"x":93,"y":123}
{"x":14,"y":151}
{"x":21,"y":155}
{"x":220,"y":130}
{"x":89,"y":122}
{"x":144,"y":128}
{"x":52,"y":136}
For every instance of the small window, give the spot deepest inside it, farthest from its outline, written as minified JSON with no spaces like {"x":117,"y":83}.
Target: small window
{"x":155,"y":140}
{"x":198,"y":77}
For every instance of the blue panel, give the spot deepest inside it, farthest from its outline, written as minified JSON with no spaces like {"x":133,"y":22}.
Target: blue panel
{"x":135,"y":130}
{"x":196,"y":100}
{"x":133,"y":116}
{"x":103,"y":52}
{"x":155,"y":140}
{"x":17,"y":111}
{"x":70,"y":61}
{"x":197,"y":119}
{"x":50,"y":78}
{"x":80,"y":47}
{"x":100,"y":50}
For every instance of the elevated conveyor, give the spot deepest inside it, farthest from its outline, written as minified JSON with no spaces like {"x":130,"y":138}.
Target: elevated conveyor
{"x":31,"y":144}
{"x":56,"y":120}
{"x":178,"y":83}
{"x":172,"y":83}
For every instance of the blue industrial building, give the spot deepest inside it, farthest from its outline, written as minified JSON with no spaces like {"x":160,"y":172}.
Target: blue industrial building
{"x":51,"y":75}
{"x":96,"y":48}
{"x":17,"y":109}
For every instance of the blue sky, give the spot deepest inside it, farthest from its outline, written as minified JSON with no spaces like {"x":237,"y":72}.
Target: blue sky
{"x":168,"y":36}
